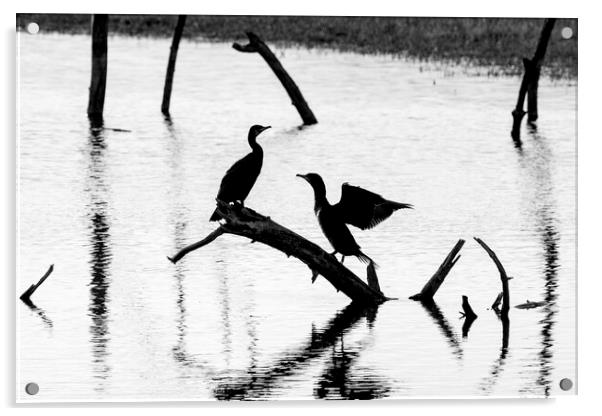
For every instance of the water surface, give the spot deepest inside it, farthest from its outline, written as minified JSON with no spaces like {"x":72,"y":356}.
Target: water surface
{"x":117,"y":321}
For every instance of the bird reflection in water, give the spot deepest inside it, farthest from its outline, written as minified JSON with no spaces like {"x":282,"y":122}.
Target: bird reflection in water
{"x":100,"y":253}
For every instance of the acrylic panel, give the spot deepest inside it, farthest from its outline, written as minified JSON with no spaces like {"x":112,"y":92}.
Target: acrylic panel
{"x":127,"y":125}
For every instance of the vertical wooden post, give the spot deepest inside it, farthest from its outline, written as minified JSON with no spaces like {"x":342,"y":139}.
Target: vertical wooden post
{"x":518,"y":113}
{"x":257,"y":45}
{"x":171,"y":65}
{"x":530,"y":82}
{"x":98,"y":81}
{"x":537,"y":61}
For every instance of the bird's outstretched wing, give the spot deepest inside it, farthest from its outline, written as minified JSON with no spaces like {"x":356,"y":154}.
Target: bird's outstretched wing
{"x":365,"y":209}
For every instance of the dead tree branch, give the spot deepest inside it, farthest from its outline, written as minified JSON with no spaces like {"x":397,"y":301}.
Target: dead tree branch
{"x":219,"y":231}
{"x":431,"y":287}
{"x":257,"y":45}
{"x":247,"y":223}
{"x":26,"y":296}
{"x":503,"y":277}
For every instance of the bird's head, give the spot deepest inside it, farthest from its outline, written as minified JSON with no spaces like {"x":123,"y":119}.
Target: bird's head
{"x":256,"y":130}
{"x":315,"y":181}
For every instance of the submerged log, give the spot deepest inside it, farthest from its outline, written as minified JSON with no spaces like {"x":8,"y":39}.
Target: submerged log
{"x":26,"y":296}
{"x":98,"y":79}
{"x":431,"y":287}
{"x":247,"y":223}
{"x":530,"y":305}
{"x":171,"y":64}
{"x":503,"y":278}
{"x":257,"y":45}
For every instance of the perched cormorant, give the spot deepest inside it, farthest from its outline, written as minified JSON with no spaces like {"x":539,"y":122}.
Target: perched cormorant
{"x":358,"y":207}
{"x":240,"y":178}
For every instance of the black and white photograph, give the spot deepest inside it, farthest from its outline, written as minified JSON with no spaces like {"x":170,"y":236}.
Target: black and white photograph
{"x":263,"y":207}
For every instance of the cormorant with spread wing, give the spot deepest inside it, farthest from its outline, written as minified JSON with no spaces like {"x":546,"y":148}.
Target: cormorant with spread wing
{"x":358,"y":207}
{"x":240,"y":178}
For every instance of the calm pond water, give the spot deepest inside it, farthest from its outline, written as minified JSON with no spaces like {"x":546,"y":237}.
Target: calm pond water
{"x":117,"y":321}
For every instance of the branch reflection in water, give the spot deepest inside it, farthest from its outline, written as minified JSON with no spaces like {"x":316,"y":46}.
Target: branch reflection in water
{"x":452,"y":339}
{"x":343,"y":379}
{"x":40,"y":312}
{"x":496,"y":369}
{"x":261,"y":383}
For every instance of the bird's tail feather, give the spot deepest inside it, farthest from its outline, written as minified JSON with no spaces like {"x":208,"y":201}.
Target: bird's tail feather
{"x":215,"y":216}
{"x":365,"y":259}
{"x":399,"y":205}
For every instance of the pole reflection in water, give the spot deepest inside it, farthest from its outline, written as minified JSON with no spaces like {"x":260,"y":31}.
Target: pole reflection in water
{"x":100,"y":254}
{"x":536,"y":163}
{"x":546,"y":225}
{"x":180,"y":214}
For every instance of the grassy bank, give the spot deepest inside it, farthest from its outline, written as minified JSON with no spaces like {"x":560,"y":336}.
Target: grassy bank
{"x":493,"y":42}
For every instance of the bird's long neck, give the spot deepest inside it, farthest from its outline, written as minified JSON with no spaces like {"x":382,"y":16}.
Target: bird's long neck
{"x":320,"y":200}
{"x":254,"y":145}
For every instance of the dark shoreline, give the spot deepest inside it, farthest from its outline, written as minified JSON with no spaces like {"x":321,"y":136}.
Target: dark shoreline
{"x":498,"y":43}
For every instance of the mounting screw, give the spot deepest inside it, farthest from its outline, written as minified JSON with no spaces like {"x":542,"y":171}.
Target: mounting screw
{"x":566,"y":384}
{"x":33,"y":28}
{"x":32,"y":388}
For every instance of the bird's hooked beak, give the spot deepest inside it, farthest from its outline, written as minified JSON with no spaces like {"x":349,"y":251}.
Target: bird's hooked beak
{"x":302,"y":176}
{"x":264,"y":129}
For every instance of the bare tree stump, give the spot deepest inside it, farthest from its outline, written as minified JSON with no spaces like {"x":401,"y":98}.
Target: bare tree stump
{"x":503,"y":278}
{"x":98,"y":80}
{"x":250,"y":224}
{"x":431,"y":287}
{"x":257,"y":45}
{"x":171,"y":64}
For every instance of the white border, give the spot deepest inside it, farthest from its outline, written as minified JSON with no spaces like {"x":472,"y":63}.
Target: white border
{"x":590,"y":206}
